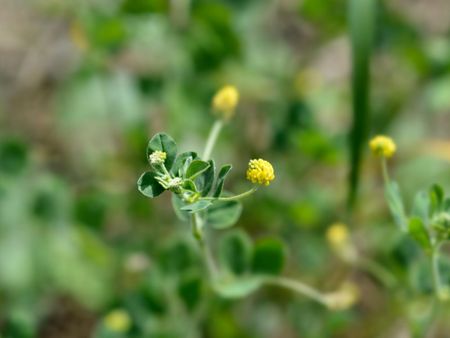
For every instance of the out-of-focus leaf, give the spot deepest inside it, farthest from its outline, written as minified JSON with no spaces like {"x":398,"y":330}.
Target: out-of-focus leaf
{"x":436,"y":196}
{"x":421,"y":205}
{"x":177,"y":204}
{"x":223,"y":214}
{"x":238,"y":288}
{"x":268,"y":256}
{"x":197,"y":206}
{"x":235,"y":252}
{"x":190,"y":290}
{"x":395,"y":203}
{"x":361,"y":17}
{"x":149,"y":186}
{"x":418,"y":231}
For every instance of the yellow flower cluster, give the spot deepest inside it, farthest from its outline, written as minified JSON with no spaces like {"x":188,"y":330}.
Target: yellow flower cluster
{"x":344,"y":298}
{"x":383,"y":146}
{"x":225,"y":101}
{"x":260,"y":171}
{"x":117,"y":321}
{"x":157,"y":157}
{"x":337,"y":234}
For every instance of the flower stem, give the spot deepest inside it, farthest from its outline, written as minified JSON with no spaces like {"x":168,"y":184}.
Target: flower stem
{"x":212,"y":138}
{"x":232,"y":198}
{"x":298,"y":287}
{"x":197,"y":231}
{"x":436,"y":273}
{"x":378,"y":271}
{"x":385,"y":171}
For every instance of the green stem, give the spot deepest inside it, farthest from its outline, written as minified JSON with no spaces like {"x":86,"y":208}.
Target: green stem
{"x":378,"y":271}
{"x":298,"y":287}
{"x":436,"y":273}
{"x":385,"y":171}
{"x":197,"y":231}
{"x":232,"y":198}
{"x":212,"y":138}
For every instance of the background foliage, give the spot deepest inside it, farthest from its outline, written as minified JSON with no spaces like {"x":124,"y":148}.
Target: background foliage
{"x":83,"y":86}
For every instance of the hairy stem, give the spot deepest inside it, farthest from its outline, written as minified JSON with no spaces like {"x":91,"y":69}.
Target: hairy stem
{"x":212,"y":138}
{"x":298,"y":287}
{"x":197,"y":231}
{"x":232,"y":198}
{"x":436,"y":273}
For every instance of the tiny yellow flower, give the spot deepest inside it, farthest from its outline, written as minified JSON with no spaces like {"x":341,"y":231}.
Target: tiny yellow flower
{"x":383,"y":146}
{"x":337,"y":234}
{"x":225,"y":101}
{"x":157,"y":157}
{"x":117,"y":321}
{"x":344,"y":298}
{"x":260,"y":171}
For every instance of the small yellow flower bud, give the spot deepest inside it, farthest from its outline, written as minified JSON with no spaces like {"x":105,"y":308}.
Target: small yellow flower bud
{"x":225,"y":101}
{"x":383,"y":146}
{"x":117,"y":321}
{"x":337,"y":234}
{"x":344,"y":298}
{"x":157,"y":157}
{"x":260,"y":171}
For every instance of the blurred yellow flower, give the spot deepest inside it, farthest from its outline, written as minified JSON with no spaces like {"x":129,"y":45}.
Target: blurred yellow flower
{"x":337,"y":234}
{"x":383,"y":146}
{"x":260,"y":171}
{"x":225,"y":101}
{"x":344,"y":298}
{"x":117,"y":321}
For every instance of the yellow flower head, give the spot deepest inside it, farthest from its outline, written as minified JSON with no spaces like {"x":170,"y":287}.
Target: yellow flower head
{"x":225,"y":101}
{"x":157,"y":157}
{"x":337,"y":234}
{"x":117,"y":321}
{"x":344,"y":298}
{"x":260,"y":171}
{"x":383,"y":146}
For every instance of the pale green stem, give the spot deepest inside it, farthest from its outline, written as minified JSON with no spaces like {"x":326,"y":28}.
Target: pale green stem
{"x":436,"y":273}
{"x":385,"y":171}
{"x":212,"y":138}
{"x":232,"y":198}
{"x":197,"y":231}
{"x":298,"y":287}
{"x":378,"y":271}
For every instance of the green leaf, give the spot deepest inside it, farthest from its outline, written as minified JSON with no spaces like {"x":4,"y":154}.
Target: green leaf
{"x":206,"y":180}
{"x":361,"y":18}
{"x":189,"y":185}
{"x":436,"y":196}
{"x":197,"y":206}
{"x":177,"y":204}
{"x":190,"y":290}
{"x":163,"y":142}
{"x":235,"y":252}
{"x":447,"y":205}
{"x":421,"y":205}
{"x":180,"y":162}
{"x":395,"y":203}
{"x":224,"y":214}
{"x":221,"y":179}
{"x":417,"y":230}
{"x":196,"y":168}
{"x":149,"y":186}
{"x":238,"y":288}
{"x":268,"y":256}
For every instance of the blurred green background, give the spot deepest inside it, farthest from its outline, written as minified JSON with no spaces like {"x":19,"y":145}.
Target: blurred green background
{"x":84,"y":85}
